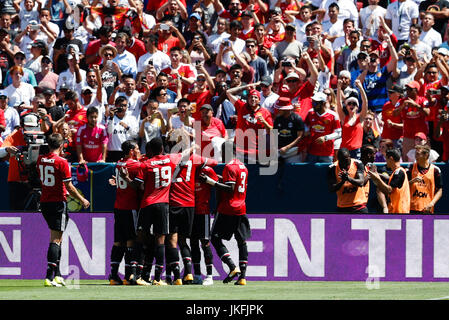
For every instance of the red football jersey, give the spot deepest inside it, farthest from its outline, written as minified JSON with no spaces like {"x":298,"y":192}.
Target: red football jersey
{"x":414,"y":120}
{"x":202,"y":191}
{"x":321,"y":125}
{"x":234,"y":203}
{"x":126,"y":197}
{"x":156,"y":173}
{"x":182,"y":192}
{"x":53,"y":171}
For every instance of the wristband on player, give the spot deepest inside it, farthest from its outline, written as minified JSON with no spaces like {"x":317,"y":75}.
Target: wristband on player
{"x":210,"y":181}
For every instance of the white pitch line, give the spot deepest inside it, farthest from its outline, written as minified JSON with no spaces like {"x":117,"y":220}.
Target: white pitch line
{"x":442,"y":298}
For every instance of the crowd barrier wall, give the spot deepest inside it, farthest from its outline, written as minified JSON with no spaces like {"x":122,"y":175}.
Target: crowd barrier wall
{"x":294,"y":188}
{"x":283,"y":247}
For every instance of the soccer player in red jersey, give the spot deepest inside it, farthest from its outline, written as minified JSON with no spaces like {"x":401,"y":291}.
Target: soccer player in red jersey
{"x":56,"y":179}
{"x":182,"y":210}
{"x":231,"y":216}
{"x":155,"y":179}
{"x":201,"y":228}
{"x":125,"y":215}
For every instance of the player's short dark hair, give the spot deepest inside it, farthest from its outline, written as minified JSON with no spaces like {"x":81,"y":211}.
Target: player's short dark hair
{"x":235,"y":66}
{"x":306,"y":6}
{"x":128,"y":145}
{"x":343,"y":152}
{"x":91,"y":110}
{"x":394,"y":153}
{"x":54,"y":141}
{"x":348,"y":20}
{"x":104,"y":30}
{"x":183,"y":100}
{"x":154,"y":146}
{"x":416,"y":26}
{"x":127,"y":76}
{"x":175,"y":49}
{"x":334,"y":5}
{"x":120,"y":99}
{"x":71,"y":95}
{"x":161,"y":74}
{"x":235,"y":24}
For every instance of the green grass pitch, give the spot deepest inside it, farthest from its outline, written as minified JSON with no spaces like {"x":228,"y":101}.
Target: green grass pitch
{"x":254,"y":290}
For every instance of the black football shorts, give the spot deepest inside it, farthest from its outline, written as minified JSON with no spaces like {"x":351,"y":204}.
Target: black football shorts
{"x":55,"y":214}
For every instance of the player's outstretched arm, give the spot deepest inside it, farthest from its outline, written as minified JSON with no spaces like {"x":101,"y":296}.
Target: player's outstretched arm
{"x":218,"y":185}
{"x":74,"y":193}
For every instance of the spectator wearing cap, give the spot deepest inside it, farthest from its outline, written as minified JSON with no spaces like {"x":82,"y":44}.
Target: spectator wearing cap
{"x":55,"y":111}
{"x":153,"y":56}
{"x":351,"y":120}
{"x":374,"y":80}
{"x":193,"y":27}
{"x":298,"y":92}
{"x":213,"y":132}
{"x":38,"y":50}
{"x":289,"y":46}
{"x":361,"y":63}
{"x":46,"y":77}
{"x":324,"y":128}
{"x":393,"y":126}
{"x":60,"y":51}
{"x":173,"y":11}
{"x":12,"y":118}
{"x":268,"y":98}
{"x":290,"y":130}
{"x":93,"y":48}
{"x":28,"y":76}
{"x":19,"y":92}
{"x":73,"y":74}
{"x":404,"y":75}
{"x":251,"y":119}
{"x":429,"y":35}
{"x":422,"y":140}
{"x":202,"y":93}
{"x":413,"y":109}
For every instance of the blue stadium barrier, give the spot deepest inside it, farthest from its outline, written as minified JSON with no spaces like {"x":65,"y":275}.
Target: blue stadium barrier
{"x":294,"y":188}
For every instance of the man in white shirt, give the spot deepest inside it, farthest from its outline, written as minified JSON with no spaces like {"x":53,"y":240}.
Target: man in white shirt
{"x":236,"y":28}
{"x":423,"y":50}
{"x":369,"y":18}
{"x":268,"y":98}
{"x":215,"y":39}
{"x":333,"y":28}
{"x":68,"y":76}
{"x":348,"y":10}
{"x":153,"y":56}
{"x":11,"y":115}
{"x":400,"y":16}
{"x":429,"y":35}
{"x":125,"y":59}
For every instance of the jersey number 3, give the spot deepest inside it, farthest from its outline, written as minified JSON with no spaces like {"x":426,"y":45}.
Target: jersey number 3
{"x":242,"y":185}
{"x":47,"y":175}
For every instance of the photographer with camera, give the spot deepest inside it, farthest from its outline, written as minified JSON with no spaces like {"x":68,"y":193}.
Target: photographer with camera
{"x":27,"y":141}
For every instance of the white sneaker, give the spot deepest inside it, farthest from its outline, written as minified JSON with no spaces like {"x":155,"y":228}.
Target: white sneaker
{"x":208,"y":281}
{"x":59,"y":280}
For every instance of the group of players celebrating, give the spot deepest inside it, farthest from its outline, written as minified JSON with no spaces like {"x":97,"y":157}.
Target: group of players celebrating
{"x":162,"y":200}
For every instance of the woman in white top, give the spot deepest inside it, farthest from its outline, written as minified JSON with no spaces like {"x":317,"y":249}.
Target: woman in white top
{"x":152,"y":124}
{"x":38,"y":51}
{"x":19,"y":92}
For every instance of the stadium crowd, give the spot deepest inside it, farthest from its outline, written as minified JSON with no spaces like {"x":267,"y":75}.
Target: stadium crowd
{"x":331,"y":81}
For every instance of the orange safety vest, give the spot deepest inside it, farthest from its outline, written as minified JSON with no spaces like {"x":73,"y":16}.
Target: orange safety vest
{"x":422,"y":193}
{"x":350,"y":195}
{"x":400,"y":197}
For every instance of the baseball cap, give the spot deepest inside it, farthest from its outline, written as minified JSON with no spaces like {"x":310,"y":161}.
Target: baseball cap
{"x":64,"y":86}
{"x":396,"y":88}
{"x":46,"y":58}
{"x":443,"y":51}
{"x":362,"y":55}
{"x":196,"y":16}
{"x":69,"y":24}
{"x":266,"y":80}
{"x":319,"y":97}
{"x":246,"y":14}
{"x":276,"y":10}
{"x":284,"y":103}
{"x":413,"y":84}
{"x":38,"y":44}
{"x":445,"y":88}
{"x":421,"y":135}
{"x":3,"y":93}
{"x":353,"y":99}
{"x":292,"y":75}
{"x":30,"y":121}
{"x":47,"y":91}
{"x":86,"y":89}
{"x":344,"y":73}
{"x":19,"y":53}
{"x":206,"y":106}
{"x":254,"y":93}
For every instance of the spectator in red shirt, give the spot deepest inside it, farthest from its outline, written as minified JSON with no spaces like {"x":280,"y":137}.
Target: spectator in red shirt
{"x":413,"y":110}
{"x":442,"y":131}
{"x":324,"y":128}
{"x":178,"y":70}
{"x":251,"y":120}
{"x":211,"y":128}
{"x":93,"y":48}
{"x":393,"y":125}
{"x":202,"y":92}
{"x":76,"y":115}
{"x":234,"y":11}
{"x":166,"y":40}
